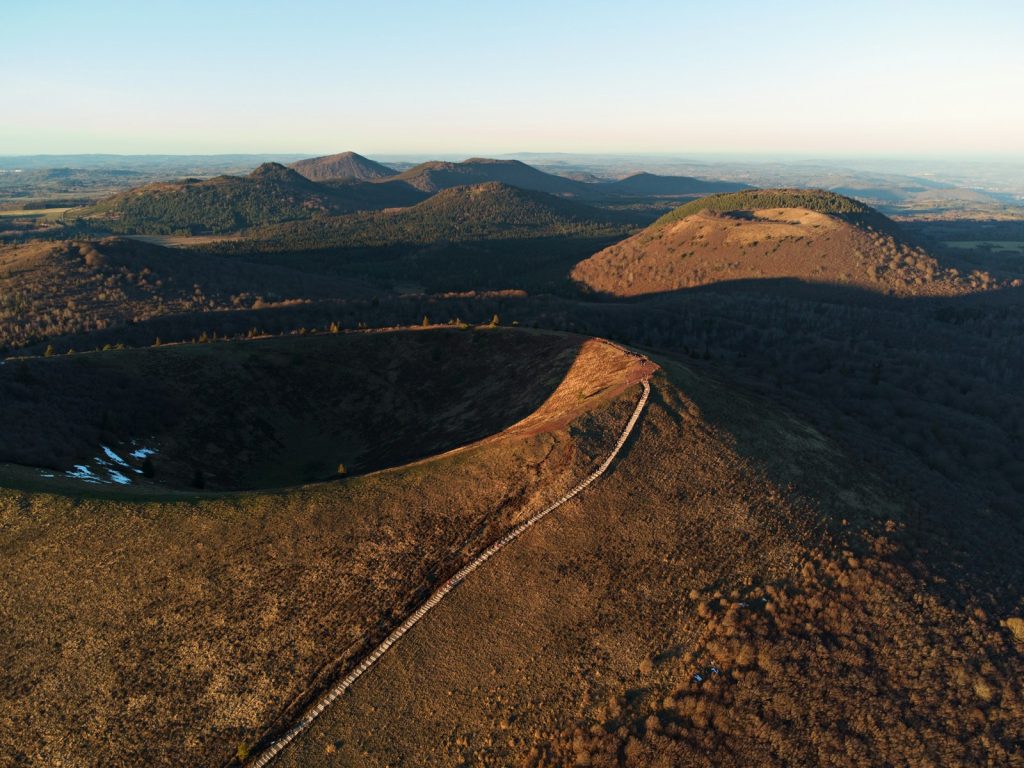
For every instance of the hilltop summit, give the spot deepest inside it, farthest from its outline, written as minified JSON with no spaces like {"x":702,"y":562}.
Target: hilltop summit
{"x":345,"y":165}
{"x":811,"y":236}
{"x":279,"y":173}
{"x":437,"y":175}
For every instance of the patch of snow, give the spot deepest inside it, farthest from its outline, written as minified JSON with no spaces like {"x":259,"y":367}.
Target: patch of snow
{"x":142,"y":453}
{"x":46,"y":474}
{"x":113,"y":456}
{"x":82,"y":472}
{"x":698,"y":678}
{"x":118,"y":478}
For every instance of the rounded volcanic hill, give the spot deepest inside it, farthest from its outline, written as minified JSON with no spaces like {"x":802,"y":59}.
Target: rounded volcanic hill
{"x":437,"y":175}
{"x":487,"y":211}
{"x":731,"y":586}
{"x":275,"y":412}
{"x":222,"y":204}
{"x":705,"y":598}
{"x":225,"y":610}
{"x":345,"y":165}
{"x":809,"y":236}
{"x":492,"y":207}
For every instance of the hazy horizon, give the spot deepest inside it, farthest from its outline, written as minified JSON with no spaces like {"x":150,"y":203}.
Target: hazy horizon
{"x":918,"y":79}
{"x":395,"y":156}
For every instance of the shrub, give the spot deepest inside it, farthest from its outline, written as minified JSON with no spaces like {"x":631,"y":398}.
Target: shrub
{"x":811,"y":199}
{"x":1016,"y":625}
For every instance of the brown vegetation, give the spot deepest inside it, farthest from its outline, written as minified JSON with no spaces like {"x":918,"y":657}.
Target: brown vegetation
{"x":49,"y":288}
{"x":838,"y":558}
{"x":170,"y":633}
{"x":730,"y":543}
{"x":714,"y":247}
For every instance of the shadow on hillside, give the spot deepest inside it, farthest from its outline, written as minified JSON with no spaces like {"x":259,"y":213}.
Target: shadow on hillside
{"x":828,"y":293}
{"x":277,"y":412}
{"x":296,"y":317}
{"x":940,"y":230}
{"x":535,"y":264}
{"x":922,"y":395}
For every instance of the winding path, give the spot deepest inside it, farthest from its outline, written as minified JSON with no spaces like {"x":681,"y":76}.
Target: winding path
{"x":343,"y":685}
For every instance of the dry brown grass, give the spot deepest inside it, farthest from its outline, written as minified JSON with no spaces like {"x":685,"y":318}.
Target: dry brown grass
{"x":726,"y":535}
{"x":159,"y":633}
{"x":578,"y":646}
{"x":795,"y":243}
{"x":562,"y":621}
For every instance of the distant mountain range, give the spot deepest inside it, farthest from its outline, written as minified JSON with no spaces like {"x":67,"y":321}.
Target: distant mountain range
{"x":433,"y":176}
{"x":346,"y":183}
{"x":438,"y":175}
{"x":649,"y":184}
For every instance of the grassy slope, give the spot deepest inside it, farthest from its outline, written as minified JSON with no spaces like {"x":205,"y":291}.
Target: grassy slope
{"x":805,"y":235}
{"x":489,"y":211}
{"x":49,"y":288}
{"x":488,"y":236}
{"x":270,"y":194}
{"x":579,"y":645}
{"x":186,"y":628}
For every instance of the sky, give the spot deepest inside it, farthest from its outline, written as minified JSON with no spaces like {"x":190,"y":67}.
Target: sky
{"x":900,"y":77}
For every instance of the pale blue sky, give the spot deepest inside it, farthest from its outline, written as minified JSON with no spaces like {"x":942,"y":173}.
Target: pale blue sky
{"x":903,"y":76}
